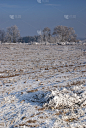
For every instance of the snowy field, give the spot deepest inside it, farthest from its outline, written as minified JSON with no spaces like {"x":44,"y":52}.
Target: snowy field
{"x":42,"y":86}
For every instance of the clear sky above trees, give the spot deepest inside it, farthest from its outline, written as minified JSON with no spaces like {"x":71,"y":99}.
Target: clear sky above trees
{"x":32,"y":16}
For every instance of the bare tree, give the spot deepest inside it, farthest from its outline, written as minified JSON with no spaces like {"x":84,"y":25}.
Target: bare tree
{"x":46,"y":34}
{"x":12,"y":34}
{"x":64,"y":33}
{"x":2,"y":36}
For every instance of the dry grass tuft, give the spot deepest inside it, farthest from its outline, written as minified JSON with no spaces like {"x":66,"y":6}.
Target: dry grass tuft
{"x":30,"y":126}
{"x":40,"y":109}
{"x":71,"y":119}
{"x":31,"y":121}
{"x":35,"y":90}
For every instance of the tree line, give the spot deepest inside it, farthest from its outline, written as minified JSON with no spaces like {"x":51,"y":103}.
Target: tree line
{"x":60,"y":34}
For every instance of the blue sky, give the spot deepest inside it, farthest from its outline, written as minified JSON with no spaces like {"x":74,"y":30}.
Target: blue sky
{"x":33,"y":15}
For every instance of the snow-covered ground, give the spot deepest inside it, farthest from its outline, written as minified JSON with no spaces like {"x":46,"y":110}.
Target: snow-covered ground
{"x":42,"y":86}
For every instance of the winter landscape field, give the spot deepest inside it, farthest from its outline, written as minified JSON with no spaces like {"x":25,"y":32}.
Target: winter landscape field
{"x":42,"y":86}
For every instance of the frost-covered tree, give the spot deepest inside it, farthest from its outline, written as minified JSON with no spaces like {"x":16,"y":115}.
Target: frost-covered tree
{"x":46,"y":34}
{"x":12,"y":34}
{"x":9,"y":35}
{"x":71,"y":36}
{"x":2,"y":36}
{"x":64,"y":33}
{"x":40,"y":39}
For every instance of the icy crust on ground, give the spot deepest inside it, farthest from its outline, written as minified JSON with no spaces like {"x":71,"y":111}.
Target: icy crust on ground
{"x":42,"y":86}
{"x":69,"y":105}
{"x":64,"y":107}
{"x":69,"y":108}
